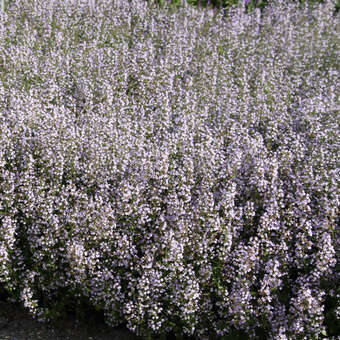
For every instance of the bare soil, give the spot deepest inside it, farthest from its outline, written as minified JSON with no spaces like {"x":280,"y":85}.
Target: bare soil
{"x":17,"y":324}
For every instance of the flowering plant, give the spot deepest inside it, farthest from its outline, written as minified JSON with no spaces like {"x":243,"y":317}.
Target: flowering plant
{"x":177,"y":170}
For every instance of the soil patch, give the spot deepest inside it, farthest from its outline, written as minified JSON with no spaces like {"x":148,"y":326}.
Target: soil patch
{"x":17,"y":324}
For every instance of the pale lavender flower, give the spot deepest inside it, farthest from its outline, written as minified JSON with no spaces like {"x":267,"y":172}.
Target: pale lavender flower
{"x":176,"y":169}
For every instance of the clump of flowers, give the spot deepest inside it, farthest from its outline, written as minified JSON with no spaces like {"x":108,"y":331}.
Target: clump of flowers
{"x":177,"y":169}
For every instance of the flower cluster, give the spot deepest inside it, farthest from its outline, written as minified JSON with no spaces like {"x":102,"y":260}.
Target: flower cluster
{"x":176,"y":168}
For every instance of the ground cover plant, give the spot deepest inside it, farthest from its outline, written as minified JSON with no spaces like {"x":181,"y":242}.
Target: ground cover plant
{"x":177,"y":170}
{"x":250,"y":5}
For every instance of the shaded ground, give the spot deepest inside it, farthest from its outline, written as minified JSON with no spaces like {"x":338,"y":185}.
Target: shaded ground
{"x":17,"y":324}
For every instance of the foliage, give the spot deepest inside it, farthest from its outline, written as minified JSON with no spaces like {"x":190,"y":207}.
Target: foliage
{"x":226,"y":4}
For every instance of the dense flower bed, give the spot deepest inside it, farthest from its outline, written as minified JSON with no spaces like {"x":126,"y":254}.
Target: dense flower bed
{"x":177,"y":169}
